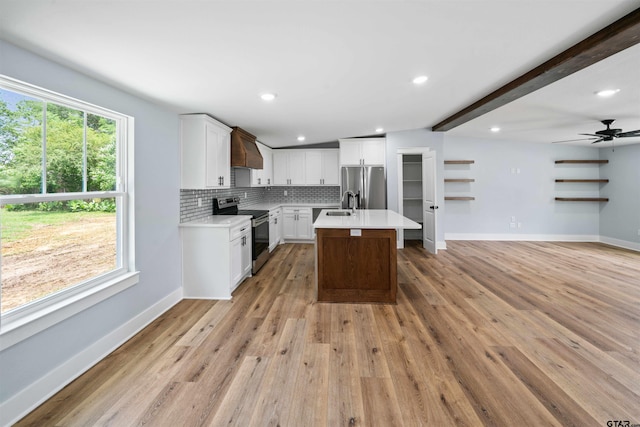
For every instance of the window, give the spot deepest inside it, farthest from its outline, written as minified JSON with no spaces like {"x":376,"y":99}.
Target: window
{"x":64,"y":205}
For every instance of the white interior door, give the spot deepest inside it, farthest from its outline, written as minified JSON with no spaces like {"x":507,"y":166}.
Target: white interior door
{"x":430,"y":205}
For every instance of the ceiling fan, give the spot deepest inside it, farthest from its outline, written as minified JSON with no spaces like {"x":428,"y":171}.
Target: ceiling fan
{"x":607,"y":134}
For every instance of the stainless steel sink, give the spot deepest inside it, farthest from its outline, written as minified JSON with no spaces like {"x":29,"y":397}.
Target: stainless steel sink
{"x":338,"y":213}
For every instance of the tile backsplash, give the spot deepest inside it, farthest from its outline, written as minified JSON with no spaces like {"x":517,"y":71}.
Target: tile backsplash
{"x":189,"y":209}
{"x":310,"y":194}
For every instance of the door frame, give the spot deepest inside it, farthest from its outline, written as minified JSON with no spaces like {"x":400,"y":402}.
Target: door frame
{"x":413,"y":151}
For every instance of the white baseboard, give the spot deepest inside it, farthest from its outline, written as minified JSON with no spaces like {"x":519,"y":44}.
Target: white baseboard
{"x":524,"y":237}
{"x":35,"y":394}
{"x":635,"y":246}
{"x":441,"y":245}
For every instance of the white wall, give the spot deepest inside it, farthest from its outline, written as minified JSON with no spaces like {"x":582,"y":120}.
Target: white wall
{"x":620,"y":217}
{"x":528,"y":195}
{"x":32,"y":368}
{"x":415,"y":138}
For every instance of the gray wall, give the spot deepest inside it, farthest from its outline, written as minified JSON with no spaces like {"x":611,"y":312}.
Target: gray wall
{"x":156,"y":221}
{"x":415,"y":138}
{"x":528,"y":196}
{"x":620,"y":217}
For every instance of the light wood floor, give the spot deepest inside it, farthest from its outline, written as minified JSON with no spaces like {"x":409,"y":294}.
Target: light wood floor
{"x":486,"y":333}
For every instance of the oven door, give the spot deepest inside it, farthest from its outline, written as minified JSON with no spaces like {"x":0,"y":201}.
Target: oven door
{"x":260,"y":242}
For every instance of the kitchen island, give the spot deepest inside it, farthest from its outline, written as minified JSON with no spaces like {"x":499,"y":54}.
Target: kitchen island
{"x":356,"y":255}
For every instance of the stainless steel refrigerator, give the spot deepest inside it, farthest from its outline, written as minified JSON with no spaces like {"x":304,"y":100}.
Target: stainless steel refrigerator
{"x":369,"y":185}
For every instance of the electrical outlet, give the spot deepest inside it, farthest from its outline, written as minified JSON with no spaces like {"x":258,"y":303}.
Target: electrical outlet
{"x":199,"y":202}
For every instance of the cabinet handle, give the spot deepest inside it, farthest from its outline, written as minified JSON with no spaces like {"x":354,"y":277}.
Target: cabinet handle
{"x":259,"y":179}
{"x":269,"y":181}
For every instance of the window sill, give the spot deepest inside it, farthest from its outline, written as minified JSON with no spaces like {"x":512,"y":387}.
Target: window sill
{"x":20,"y":329}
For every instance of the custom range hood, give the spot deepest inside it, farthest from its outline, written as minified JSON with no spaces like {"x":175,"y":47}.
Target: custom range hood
{"x":244,"y":151}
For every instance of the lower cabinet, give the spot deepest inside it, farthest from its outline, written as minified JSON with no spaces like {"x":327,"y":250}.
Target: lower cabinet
{"x":240,"y":258}
{"x":215,"y":260}
{"x":275,"y":228}
{"x":297,"y":223}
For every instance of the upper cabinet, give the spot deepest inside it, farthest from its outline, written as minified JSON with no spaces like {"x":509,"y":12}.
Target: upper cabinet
{"x":322,"y":167}
{"x":246,"y":177}
{"x":288,"y":167}
{"x":204,"y":152}
{"x":362,"y":151}
{"x":305,"y":167}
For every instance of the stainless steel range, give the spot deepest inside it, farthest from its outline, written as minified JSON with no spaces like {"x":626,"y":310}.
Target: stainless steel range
{"x":259,"y":228}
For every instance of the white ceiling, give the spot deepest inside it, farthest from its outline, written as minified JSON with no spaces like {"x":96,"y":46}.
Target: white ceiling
{"x":340,"y":68}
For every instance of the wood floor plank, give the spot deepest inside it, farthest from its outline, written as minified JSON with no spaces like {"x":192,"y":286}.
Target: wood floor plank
{"x":484,"y":333}
{"x":275,"y":402}
{"x":371,"y":357}
{"x":239,"y":402}
{"x":345,"y":394}
{"x":380,"y":402}
{"x":310,"y":405}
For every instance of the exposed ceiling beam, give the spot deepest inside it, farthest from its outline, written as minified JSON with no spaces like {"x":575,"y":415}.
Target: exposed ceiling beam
{"x":612,"y":39}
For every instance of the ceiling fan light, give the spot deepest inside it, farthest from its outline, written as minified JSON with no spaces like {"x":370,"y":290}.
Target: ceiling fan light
{"x":420,"y":80}
{"x":607,"y":92}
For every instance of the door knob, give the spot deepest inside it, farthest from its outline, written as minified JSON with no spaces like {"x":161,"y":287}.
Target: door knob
{"x":433,"y":207}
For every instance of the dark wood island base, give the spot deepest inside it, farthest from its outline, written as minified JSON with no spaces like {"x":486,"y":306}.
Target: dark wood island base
{"x":356,"y":266}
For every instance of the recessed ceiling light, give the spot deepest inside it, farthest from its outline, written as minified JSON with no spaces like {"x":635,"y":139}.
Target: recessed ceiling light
{"x":495,"y":129}
{"x":607,"y":92}
{"x":301,"y":138}
{"x":420,"y":80}
{"x":379,"y":130}
{"x":268,"y":96}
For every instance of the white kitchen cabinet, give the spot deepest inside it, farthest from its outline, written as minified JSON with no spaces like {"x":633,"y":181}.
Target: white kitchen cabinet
{"x":205,"y":152}
{"x":362,"y":151}
{"x":241,"y":257}
{"x":275,"y":228}
{"x":267,"y":161}
{"x":288,"y":167}
{"x":246,"y":177}
{"x":215,"y":260}
{"x":280,"y":227}
{"x":322,"y":167}
{"x":297,"y":223}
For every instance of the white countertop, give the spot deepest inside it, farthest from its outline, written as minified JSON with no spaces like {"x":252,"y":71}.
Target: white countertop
{"x":220,"y":221}
{"x":366,"y":218}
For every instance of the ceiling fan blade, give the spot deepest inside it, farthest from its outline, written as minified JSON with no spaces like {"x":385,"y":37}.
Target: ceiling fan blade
{"x":574,"y":140}
{"x":598,"y":140}
{"x":629,"y":134}
{"x":591,"y":134}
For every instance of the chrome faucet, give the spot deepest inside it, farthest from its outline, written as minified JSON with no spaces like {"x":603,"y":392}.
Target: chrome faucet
{"x":349,"y":192}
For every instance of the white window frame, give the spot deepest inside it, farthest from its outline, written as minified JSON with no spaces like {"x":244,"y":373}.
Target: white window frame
{"x":27,"y":320}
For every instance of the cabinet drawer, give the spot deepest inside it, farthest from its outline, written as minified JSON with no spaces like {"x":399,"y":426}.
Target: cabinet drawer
{"x":296,"y":210}
{"x":239,"y":230}
{"x":274,"y":213}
